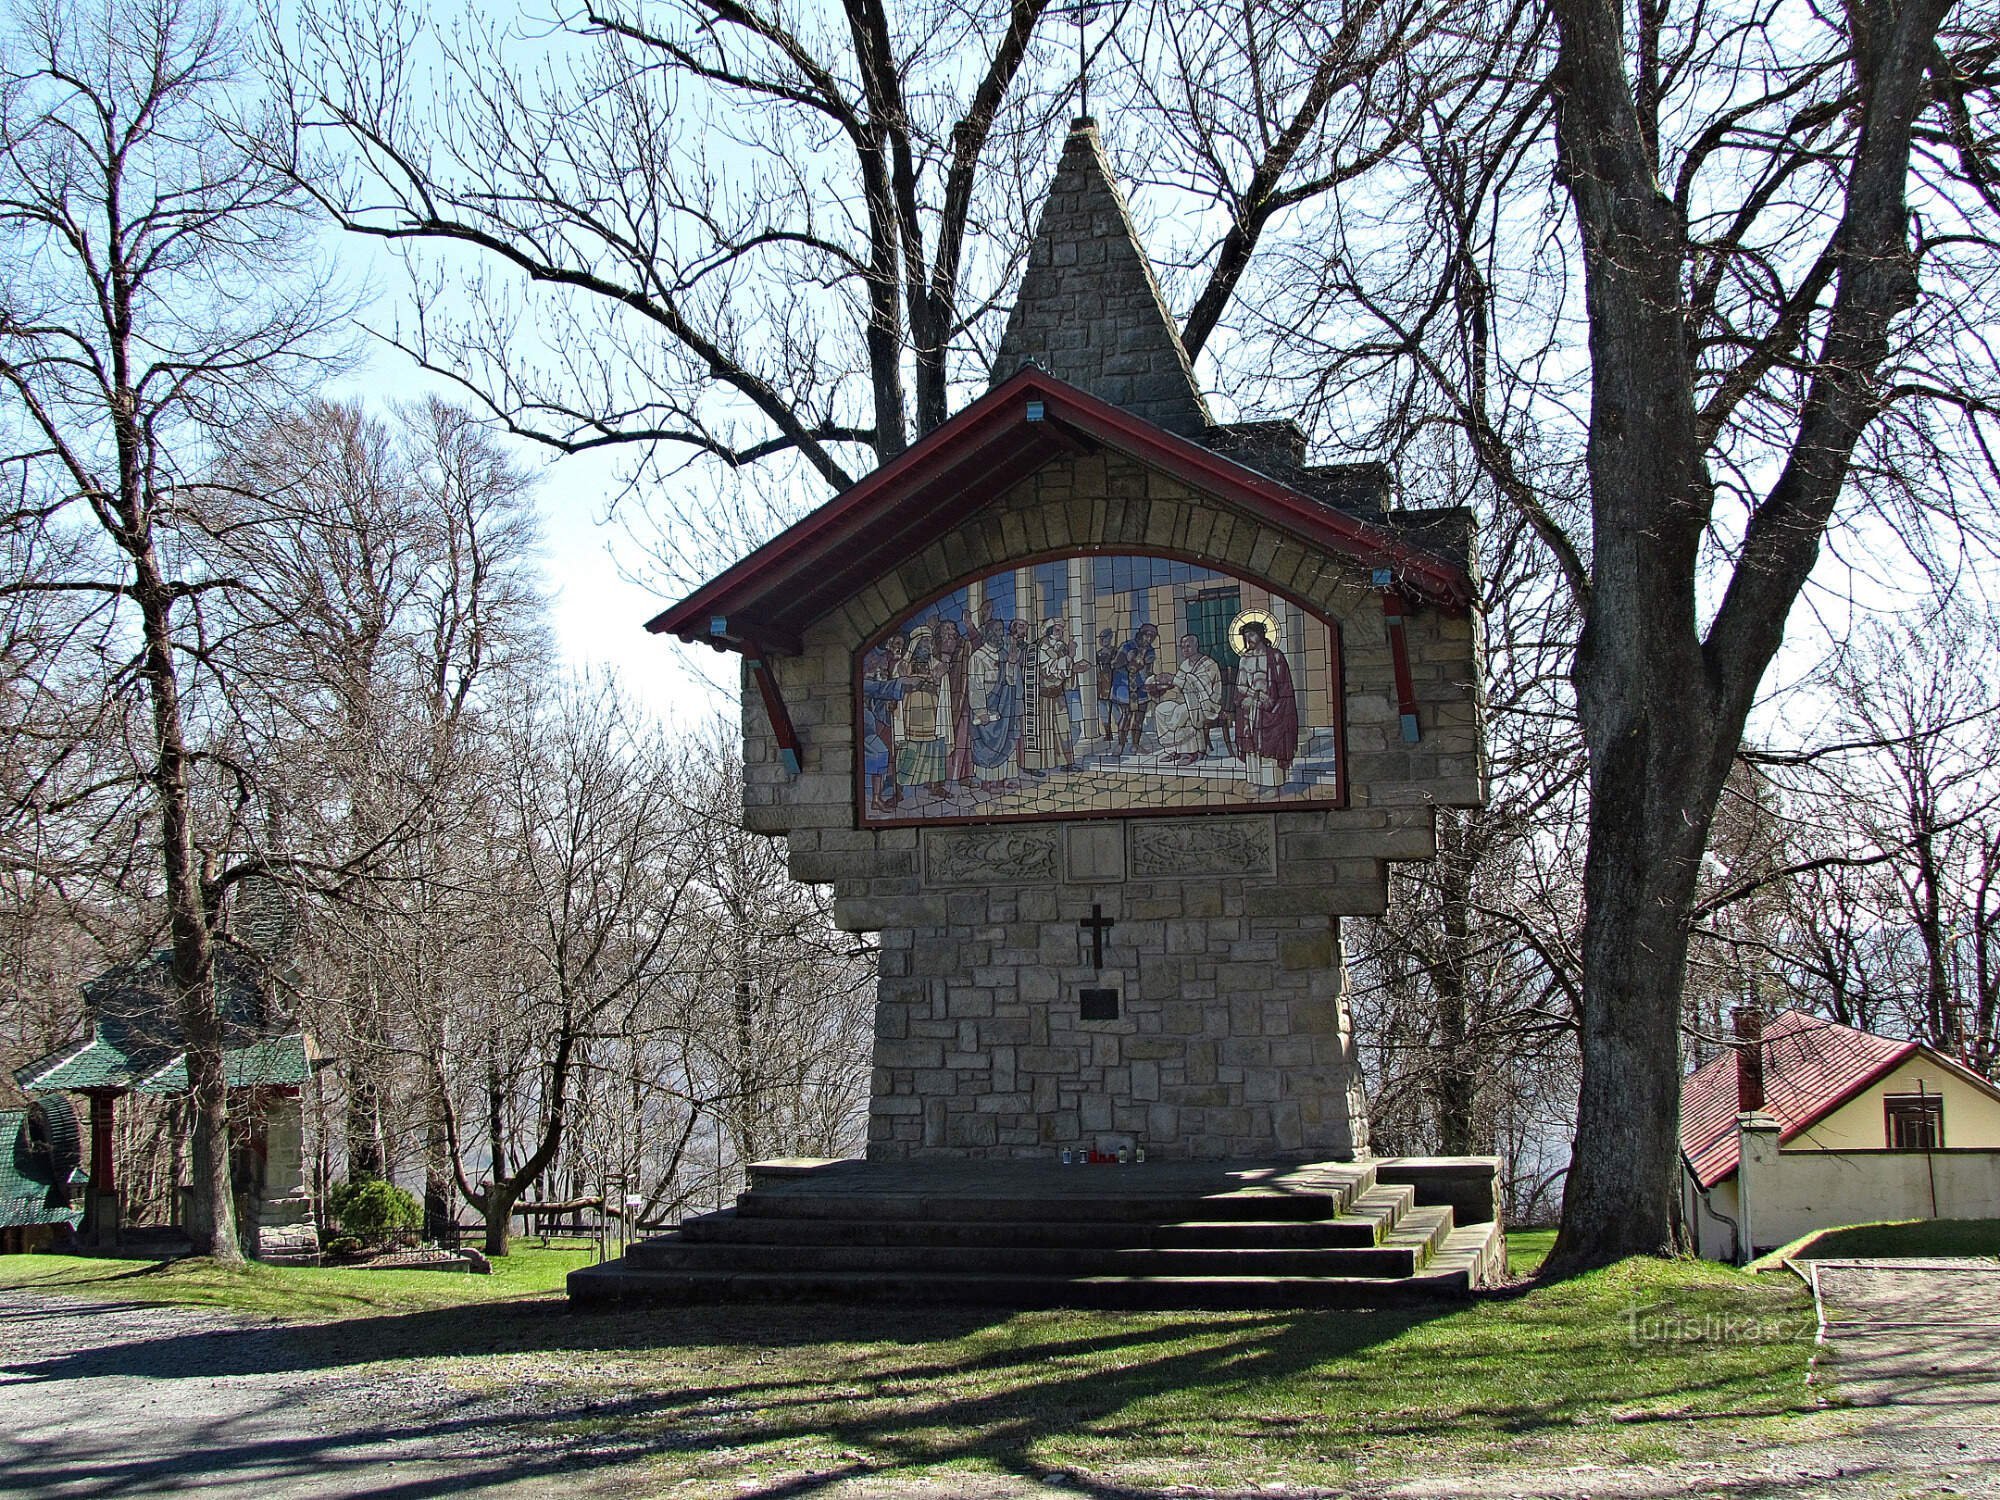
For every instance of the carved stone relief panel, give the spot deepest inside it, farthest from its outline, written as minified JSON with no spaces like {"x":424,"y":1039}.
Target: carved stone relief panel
{"x":991,"y":856}
{"x":1206,"y":846}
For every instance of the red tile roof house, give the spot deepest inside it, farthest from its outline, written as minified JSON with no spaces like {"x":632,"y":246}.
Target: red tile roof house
{"x":1806,"y":1124}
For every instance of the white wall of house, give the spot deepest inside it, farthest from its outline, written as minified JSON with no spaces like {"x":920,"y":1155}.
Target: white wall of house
{"x":1713,"y":1218}
{"x":1796,"y":1192}
{"x":1840,"y":1171}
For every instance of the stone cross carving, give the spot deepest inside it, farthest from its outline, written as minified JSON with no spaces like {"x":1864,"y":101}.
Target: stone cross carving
{"x":1096,"y":924}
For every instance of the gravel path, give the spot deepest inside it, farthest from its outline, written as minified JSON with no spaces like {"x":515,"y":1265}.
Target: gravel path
{"x":121,"y":1398}
{"x":1914,"y":1333}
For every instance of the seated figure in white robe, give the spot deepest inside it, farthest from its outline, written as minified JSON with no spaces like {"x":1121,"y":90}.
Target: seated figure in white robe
{"x":1193,"y":703}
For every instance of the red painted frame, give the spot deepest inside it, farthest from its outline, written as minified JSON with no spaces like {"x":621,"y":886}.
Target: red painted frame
{"x":1394,"y":616}
{"x":1337,"y":668}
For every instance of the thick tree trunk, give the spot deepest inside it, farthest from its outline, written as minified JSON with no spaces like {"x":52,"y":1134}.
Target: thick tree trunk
{"x":1623,"y":1195}
{"x":1644,"y":694}
{"x":496,"y":1202}
{"x":439,"y":1219}
{"x":498,"y":1207}
{"x":211,"y":1225}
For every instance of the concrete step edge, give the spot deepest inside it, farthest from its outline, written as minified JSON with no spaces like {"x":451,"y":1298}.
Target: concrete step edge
{"x":1107,"y":1209}
{"x":1374,"y":1261}
{"x":603,"y":1284}
{"x":1353,"y":1230}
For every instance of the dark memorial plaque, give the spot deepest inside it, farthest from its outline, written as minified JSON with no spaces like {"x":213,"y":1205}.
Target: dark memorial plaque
{"x":1097,"y":1003}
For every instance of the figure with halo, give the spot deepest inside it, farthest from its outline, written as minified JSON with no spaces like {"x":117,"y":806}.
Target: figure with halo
{"x":1267,"y":708}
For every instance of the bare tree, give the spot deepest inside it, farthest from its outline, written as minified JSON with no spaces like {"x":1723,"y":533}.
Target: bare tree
{"x":1769,"y":326}
{"x":757,"y":1044}
{"x":68,"y":850}
{"x":1466,"y":987}
{"x":157,"y":283}
{"x":707,"y":230}
{"x":786,"y":1000}
{"x":1927,"y":699}
{"x":1252,"y":113}
{"x":1879,"y":907}
{"x":1770,"y":330}
{"x":393,"y":558}
{"x":589,"y":876}
{"x":1680,"y":345}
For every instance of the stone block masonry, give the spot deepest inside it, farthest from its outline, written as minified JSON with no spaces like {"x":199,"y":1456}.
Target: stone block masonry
{"x":1136,"y":943}
{"x":1204,"y":930}
{"x":1089,"y":310}
{"x":1232,"y":1035}
{"x":1231,"y":1038}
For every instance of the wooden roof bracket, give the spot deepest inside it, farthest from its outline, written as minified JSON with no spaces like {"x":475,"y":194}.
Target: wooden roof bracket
{"x":1394,"y":613}
{"x":790,"y":752}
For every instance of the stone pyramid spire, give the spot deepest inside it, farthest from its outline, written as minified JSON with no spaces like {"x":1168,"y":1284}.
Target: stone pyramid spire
{"x":1089,"y":311}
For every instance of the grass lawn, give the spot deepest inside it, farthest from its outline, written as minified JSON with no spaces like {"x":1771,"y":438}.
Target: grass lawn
{"x":1895,"y":1238}
{"x":296,"y":1291}
{"x":1551,"y":1378}
{"x":1645,"y":1362}
{"x":1527,"y":1249}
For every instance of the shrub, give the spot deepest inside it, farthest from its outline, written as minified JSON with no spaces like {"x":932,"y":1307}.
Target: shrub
{"x":373,"y":1211}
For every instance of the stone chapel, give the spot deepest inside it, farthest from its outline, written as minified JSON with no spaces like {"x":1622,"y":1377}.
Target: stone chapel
{"x":1102,"y":715}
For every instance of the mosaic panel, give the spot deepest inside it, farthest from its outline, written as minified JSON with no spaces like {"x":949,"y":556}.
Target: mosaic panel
{"x":1098,"y":685}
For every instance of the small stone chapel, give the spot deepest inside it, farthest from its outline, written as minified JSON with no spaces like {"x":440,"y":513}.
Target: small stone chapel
{"x":1103,"y":715}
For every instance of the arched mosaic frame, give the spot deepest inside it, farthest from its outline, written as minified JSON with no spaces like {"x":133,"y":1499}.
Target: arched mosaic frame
{"x":1126,"y":725}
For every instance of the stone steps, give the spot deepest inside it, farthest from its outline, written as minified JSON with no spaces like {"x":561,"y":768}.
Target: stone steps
{"x":602,"y":1285}
{"x":1363,"y":1223}
{"x":1031,"y":1234}
{"x":1402,"y":1254}
{"x":1131,"y":1202}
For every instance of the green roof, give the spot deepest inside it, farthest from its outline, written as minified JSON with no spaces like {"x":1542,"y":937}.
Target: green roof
{"x":275,"y":1061}
{"x":135,"y":1039}
{"x":94,"y":1064}
{"x":27,"y":1195}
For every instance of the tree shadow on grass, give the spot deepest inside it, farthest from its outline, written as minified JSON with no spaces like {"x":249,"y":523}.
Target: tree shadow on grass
{"x":826,"y":1395}
{"x":894,"y":1390}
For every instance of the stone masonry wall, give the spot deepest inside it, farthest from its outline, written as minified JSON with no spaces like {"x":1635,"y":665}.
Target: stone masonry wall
{"x":1233,"y":1036}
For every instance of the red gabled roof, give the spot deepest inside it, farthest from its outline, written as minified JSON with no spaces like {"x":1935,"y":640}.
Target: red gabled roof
{"x":1811,"y":1067}
{"x":774,"y":593}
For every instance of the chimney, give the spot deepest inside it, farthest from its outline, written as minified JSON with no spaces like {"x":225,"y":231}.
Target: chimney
{"x":1749,"y":1059}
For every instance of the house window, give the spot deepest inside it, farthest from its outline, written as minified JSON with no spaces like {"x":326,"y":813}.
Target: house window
{"x":1915,"y":1122}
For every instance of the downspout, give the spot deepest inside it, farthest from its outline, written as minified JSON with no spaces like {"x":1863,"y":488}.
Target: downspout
{"x":1708,"y":1206}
